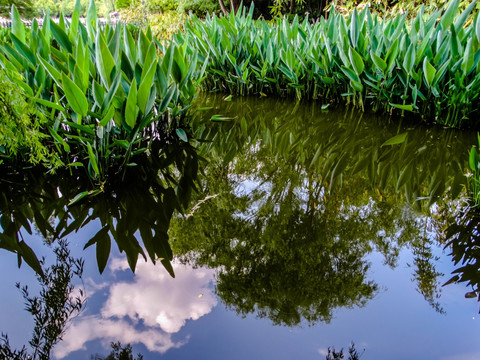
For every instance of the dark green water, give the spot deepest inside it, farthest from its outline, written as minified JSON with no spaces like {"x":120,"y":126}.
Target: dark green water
{"x":295,"y":199}
{"x":292,"y":208}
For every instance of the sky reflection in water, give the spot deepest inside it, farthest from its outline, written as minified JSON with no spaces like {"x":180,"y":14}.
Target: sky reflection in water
{"x":147,"y":310}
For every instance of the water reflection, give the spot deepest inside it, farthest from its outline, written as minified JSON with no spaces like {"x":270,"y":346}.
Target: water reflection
{"x":290,"y":205}
{"x":140,"y":201}
{"x":296,"y":200}
{"x":463,"y":237}
{"x":419,"y":163}
{"x":148,"y":310}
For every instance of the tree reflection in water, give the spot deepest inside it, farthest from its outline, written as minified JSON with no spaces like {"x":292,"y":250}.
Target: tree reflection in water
{"x":289,"y":207}
{"x":296,"y":206}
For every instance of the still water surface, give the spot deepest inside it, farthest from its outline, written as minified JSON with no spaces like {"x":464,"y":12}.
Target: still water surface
{"x":309,"y":229}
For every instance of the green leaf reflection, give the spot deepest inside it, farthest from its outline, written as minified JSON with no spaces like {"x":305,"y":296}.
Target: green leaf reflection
{"x":293,"y":203}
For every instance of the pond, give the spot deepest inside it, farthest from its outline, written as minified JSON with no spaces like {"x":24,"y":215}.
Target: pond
{"x":308,"y":228}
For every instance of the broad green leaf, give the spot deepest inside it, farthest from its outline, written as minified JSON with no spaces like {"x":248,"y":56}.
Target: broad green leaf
{"x":75,"y":20}
{"x":468,"y":57}
{"x":449,"y":14}
{"x":409,"y":60}
{"x":473,"y":159}
{"x":18,"y":29}
{"x":402,"y":107}
{"x":392,"y":55}
{"x":357,"y":86}
{"x":477,"y":28}
{"x":76,"y":98}
{"x":356,"y":61}
{"x":98,"y":93}
{"x":129,"y":46}
{"x":24,"y":50}
{"x":61,"y":36}
{"x":462,"y":18}
{"x":54,"y":73}
{"x":429,"y":72}
{"x":131,"y":105}
{"x":397,"y":139}
{"x":108,"y":116}
{"x":104,"y":60}
{"x":146,"y":85}
{"x":350,"y":74}
{"x":91,"y":14}
{"x":354,"y":31}
{"x":379,"y":62}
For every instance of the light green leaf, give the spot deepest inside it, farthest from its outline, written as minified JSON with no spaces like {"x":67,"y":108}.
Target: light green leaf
{"x":402,"y":107}
{"x":378,"y":61}
{"x":18,"y":29}
{"x":356,"y":61}
{"x":468,"y":57}
{"x":350,"y":74}
{"x":131,"y":106}
{"x":104,"y":60}
{"x":220,"y":118}
{"x":76,"y":98}
{"x":449,"y":14}
{"x":146,"y":85}
{"x":78,"y":197}
{"x":409,"y":60}
{"x":49,"y":104}
{"x":429,"y":72}
{"x":54,"y":73}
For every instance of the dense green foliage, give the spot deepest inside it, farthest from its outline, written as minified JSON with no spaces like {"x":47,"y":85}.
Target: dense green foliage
{"x":20,"y":135}
{"x":106,"y":103}
{"x":25,"y":7}
{"x":428,"y":67}
{"x":102,"y":105}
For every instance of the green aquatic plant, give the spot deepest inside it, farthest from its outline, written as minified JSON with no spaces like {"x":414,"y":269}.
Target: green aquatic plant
{"x":102,"y":97}
{"x":113,"y":109}
{"x":426,"y":67}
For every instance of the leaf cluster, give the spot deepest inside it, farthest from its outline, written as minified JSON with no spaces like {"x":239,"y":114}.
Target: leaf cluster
{"x":102,"y":97}
{"x":427,"y":67}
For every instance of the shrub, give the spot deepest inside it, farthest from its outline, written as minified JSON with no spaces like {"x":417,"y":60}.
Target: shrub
{"x":20,"y":131}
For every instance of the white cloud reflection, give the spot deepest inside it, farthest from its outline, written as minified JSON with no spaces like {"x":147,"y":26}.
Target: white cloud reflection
{"x":148,"y":310}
